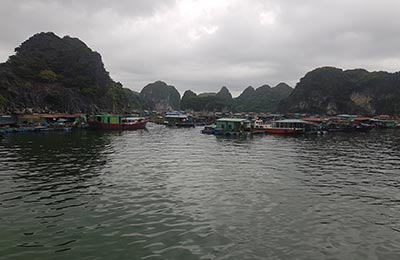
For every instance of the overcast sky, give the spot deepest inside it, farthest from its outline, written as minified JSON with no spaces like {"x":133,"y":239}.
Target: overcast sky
{"x":205,"y":44}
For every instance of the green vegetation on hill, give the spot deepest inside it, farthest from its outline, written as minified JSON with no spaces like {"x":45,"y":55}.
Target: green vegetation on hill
{"x":221,"y":101}
{"x":224,"y":94}
{"x":49,"y":73}
{"x":161,"y":97}
{"x":262,"y":99}
{"x":330,"y":90}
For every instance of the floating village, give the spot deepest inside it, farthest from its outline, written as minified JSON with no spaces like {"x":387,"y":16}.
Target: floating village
{"x":220,"y":124}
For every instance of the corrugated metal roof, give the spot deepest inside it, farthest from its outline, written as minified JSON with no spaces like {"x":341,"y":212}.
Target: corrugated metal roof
{"x":61,"y":115}
{"x":177,"y":116}
{"x":362,"y":118}
{"x":233,"y":120}
{"x":293,"y":121}
{"x":314,"y":119}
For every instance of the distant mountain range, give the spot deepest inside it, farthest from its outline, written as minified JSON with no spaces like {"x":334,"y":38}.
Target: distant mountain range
{"x":53,"y":74}
{"x":261,"y":99}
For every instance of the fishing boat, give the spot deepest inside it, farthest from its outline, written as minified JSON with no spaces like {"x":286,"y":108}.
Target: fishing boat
{"x":178,"y":119}
{"x":232,"y":127}
{"x":289,"y":127}
{"x":386,"y":124}
{"x":363,"y":124}
{"x":208,"y":130}
{"x":116,"y":122}
{"x":385,"y":121}
{"x":336,"y":124}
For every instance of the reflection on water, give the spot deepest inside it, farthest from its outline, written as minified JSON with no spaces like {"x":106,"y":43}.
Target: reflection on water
{"x":177,"y":194}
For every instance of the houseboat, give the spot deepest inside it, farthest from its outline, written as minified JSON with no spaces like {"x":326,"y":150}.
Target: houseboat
{"x":290,"y":127}
{"x":232,"y":126}
{"x":116,"y":122}
{"x":179,"y":120}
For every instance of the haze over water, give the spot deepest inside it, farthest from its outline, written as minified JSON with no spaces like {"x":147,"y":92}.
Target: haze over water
{"x":177,"y":194}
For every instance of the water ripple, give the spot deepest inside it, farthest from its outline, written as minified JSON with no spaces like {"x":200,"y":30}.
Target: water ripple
{"x":176,"y":194}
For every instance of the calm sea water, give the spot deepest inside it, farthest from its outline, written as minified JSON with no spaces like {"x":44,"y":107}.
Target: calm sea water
{"x":177,"y":194}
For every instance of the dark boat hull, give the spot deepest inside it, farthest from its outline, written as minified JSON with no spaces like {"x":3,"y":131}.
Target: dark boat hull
{"x":185,"y":125}
{"x":131,"y":126}
{"x":283,"y":131}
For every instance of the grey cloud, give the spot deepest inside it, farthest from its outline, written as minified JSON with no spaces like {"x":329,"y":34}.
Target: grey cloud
{"x":203,"y":45}
{"x":140,"y":8}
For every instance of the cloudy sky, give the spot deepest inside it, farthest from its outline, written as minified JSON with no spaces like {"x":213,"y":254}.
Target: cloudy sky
{"x":205,"y":44}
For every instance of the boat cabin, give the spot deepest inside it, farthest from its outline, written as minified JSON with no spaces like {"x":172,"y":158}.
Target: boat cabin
{"x":107,"y":119}
{"x":179,"y":120}
{"x":131,"y":120}
{"x":233,"y":124}
{"x":293,"y":124}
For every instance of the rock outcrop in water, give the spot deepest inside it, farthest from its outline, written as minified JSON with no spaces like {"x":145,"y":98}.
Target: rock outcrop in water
{"x":331,"y":90}
{"x":161,"y":97}
{"x":49,"y":73}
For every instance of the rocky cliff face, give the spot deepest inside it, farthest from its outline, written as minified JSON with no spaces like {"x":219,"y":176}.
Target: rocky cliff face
{"x":220,"y":101}
{"x":49,"y":73}
{"x":224,"y":94}
{"x":190,"y":101}
{"x":160,"y":97}
{"x":262,"y":99}
{"x":331,"y":90}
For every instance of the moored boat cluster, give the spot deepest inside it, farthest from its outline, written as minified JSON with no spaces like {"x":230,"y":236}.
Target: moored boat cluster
{"x":227,"y":124}
{"x":67,"y":122}
{"x":41,"y":122}
{"x":298,"y":124}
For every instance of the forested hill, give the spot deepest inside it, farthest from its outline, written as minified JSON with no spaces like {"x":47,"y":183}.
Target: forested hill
{"x":330,"y":90}
{"x":53,"y":74}
{"x":262,"y":99}
{"x":160,"y":96}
